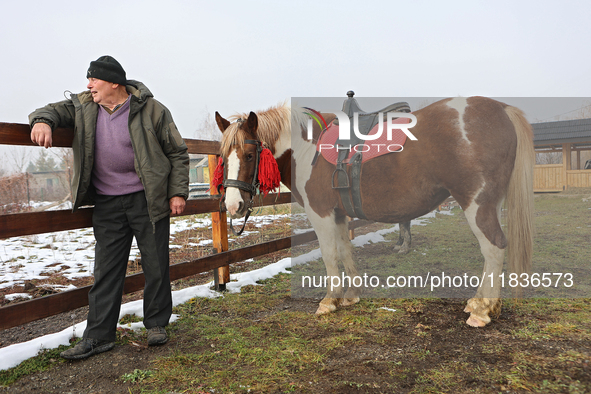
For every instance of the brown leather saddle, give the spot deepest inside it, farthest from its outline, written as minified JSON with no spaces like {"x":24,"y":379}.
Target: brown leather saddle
{"x":346,"y":177}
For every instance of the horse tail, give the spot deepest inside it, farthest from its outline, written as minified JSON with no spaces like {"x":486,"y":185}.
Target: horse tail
{"x":520,"y":196}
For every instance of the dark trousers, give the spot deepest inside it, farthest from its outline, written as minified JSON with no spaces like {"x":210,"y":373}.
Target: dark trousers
{"x":116,"y":220}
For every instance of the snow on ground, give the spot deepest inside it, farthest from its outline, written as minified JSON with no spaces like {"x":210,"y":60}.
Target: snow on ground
{"x":25,"y":258}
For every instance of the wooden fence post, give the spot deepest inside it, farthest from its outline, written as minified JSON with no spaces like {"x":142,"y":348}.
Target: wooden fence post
{"x":219,"y":229}
{"x":566,"y":167}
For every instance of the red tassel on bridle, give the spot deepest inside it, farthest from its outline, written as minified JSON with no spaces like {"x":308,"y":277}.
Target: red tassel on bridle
{"x":218,"y":175}
{"x":269,"y":175}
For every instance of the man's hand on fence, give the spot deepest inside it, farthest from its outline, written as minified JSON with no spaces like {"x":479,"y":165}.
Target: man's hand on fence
{"x":41,"y":135}
{"x":177,"y":205}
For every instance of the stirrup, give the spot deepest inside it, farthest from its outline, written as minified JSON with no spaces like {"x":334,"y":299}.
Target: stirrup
{"x":336,"y":174}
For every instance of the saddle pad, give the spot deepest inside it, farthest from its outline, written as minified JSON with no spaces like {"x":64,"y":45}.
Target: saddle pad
{"x":371,"y":149}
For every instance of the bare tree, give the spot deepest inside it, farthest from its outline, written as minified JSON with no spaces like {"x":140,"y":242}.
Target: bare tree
{"x":19,"y":158}
{"x":208,"y":128}
{"x":582,"y":113}
{"x":64,"y":158}
{"x":548,"y":157}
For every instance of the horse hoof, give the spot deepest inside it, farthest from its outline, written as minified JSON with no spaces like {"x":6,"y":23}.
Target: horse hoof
{"x":475,"y":322}
{"x":350,"y":301}
{"x":403,"y":251}
{"x":323,"y":309}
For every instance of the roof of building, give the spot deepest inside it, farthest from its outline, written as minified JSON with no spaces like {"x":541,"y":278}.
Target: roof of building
{"x":199,"y":161}
{"x":564,"y":131}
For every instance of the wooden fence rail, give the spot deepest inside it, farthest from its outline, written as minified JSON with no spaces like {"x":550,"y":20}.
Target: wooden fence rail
{"x":20,"y":134}
{"x":29,"y":223}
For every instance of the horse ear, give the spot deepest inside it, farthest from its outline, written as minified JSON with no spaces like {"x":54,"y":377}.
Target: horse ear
{"x":252,"y":123}
{"x":222,"y":123}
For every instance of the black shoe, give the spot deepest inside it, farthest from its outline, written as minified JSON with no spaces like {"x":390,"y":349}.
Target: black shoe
{"x":157,"y":336}
{"x":87,"y":347}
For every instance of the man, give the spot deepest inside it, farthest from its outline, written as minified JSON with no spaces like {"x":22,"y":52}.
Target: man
{"x":130,"y":162}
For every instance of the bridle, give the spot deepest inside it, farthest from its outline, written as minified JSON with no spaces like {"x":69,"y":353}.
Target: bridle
{"x":252,"y":187}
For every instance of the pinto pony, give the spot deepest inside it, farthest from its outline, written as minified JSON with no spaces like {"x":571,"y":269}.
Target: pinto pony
{"x":478,"y":150}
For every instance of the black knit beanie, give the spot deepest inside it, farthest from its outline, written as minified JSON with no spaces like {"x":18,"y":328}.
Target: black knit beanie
{"x":108,"y":69}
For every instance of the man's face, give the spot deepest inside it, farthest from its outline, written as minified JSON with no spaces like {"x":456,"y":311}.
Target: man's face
{"x":100,"y":90}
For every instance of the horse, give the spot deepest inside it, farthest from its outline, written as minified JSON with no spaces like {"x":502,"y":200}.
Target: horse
{"x":477,"y":150}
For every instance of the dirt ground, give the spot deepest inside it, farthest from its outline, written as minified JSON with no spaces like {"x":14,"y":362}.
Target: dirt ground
{"x":363,"y":363}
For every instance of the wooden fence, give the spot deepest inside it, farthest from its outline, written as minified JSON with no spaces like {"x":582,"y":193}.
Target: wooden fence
{"x":578,"y":178}
{"x":548,"y":178}
{"x":555,"y":178}
{"x":560,"y":177}
{"x":49,"y":221}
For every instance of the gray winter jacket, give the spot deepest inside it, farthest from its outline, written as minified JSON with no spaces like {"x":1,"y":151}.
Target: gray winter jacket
{"x":161,"y":158}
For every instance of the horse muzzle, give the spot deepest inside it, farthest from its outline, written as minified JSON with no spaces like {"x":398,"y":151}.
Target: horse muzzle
{"x":236,"y":203}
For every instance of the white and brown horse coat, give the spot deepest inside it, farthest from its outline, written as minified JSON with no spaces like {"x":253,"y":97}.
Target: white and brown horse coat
{"x":478,"y":150}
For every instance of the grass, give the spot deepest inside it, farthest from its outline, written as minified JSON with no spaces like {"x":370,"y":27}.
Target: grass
{"x":43,"y":361}
{"x":539,"y":324}
{"x":231,"y":350}
{"x":136,"y":376}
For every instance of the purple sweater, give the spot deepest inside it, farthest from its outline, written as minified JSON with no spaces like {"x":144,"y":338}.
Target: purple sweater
{"x":114,"y":173}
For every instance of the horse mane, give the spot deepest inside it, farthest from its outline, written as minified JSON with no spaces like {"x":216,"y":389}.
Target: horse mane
{"x":272,"y":123}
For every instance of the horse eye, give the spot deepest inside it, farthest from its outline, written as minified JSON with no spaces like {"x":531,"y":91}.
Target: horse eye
{"x":249,"y":157}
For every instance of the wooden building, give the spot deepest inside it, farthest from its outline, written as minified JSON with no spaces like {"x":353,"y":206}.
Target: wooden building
{"x":570,"y":141}
{"x":198,"y":170}
{"x":48,"y":185}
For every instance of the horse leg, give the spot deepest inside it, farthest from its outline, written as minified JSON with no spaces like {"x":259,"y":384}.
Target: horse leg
{"x":346,"y":256}
{"x":404,"y":238}
{"x":331,"y":240}
{"x":484,"y":221}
